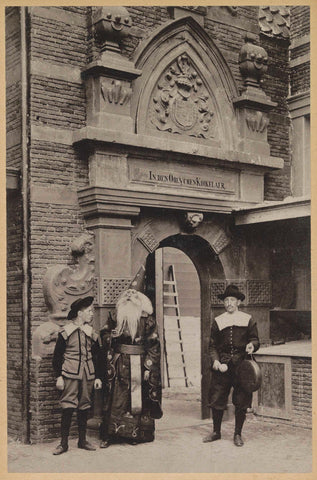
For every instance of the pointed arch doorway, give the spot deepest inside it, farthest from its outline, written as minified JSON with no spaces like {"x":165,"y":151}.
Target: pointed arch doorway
{"x":208,"y":267}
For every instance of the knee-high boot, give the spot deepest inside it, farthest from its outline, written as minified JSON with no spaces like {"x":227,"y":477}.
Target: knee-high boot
{"x":65,"y":427}
{"x":82,"y":416}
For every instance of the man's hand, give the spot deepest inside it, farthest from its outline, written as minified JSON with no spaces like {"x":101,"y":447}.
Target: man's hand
{"x":60,"y":385}
{"x":146,"y":375}
{"x":249,"y":348}
{"x":97,"y":384}
{"x":216,"y":365}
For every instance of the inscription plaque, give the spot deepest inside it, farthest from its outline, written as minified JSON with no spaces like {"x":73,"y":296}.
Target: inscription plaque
{"x":209,"y":180}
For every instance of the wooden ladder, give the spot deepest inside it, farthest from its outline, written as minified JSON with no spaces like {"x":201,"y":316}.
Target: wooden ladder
{"x":172,"y":371}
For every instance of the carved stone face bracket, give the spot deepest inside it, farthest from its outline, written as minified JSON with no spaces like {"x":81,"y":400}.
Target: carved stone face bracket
{"x":192,"y":220}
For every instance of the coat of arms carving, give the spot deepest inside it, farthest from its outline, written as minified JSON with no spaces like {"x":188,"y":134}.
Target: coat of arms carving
{"x":181,"y":103}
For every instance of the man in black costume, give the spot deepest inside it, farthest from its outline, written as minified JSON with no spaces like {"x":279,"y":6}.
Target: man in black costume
{"x":233,"y":335}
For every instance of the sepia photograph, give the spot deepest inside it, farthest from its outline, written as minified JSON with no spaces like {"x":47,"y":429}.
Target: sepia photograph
{"x":158,"y":226}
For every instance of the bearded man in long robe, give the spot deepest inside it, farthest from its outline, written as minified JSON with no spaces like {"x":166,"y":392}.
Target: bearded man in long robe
{"x":132,"y":397}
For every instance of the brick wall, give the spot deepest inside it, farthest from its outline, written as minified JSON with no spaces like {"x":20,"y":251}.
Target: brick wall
{"x":14,"y":313}
{"x":302,"y":391}
{"x":300,"y":21}
{"x":13,"y":87}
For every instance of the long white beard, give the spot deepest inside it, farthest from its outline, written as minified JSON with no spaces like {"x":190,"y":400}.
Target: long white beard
{"x":128,"y":316}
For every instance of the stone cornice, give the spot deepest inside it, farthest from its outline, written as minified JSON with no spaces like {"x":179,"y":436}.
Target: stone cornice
{"x":100,"y":201}
{"x":91,"y":135}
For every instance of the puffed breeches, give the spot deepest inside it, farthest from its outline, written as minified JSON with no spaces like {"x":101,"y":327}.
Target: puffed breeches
{"x":220,"y":386}
{"x":77,"y":393}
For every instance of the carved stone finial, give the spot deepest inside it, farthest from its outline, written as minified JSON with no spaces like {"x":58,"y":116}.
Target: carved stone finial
{"x":111,"y":25}
{"x":62,"y":284}
{"x":252,"y":62}
{"x":192,"y":220}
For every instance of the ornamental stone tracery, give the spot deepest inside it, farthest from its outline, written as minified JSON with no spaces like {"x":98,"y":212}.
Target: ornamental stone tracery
{"x":181,"y":103}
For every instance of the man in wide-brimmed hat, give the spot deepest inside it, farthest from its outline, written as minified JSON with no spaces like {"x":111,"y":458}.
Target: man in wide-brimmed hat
{"x":233,"y":335}
{"x":78,"y":368}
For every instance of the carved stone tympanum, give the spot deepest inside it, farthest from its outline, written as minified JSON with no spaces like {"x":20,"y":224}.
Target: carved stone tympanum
{"x":181,"y":103}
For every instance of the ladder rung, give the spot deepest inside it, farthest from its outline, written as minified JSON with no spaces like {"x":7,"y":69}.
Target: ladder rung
{"x":174,"y":378}
{"x":171,"y":306}
{"x":169,"y":282}
{"x":170,"y":294}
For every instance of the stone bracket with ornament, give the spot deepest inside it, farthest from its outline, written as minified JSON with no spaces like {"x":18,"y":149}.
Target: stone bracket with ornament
{"x":108,"y":79}
{"x":253,"y":105}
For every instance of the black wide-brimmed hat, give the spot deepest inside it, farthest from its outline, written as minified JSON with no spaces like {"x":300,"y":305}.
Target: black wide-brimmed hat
{"x":78,"y":305}
{"x":232,"y":291}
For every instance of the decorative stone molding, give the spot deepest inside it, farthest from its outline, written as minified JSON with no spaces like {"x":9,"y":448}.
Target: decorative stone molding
{"x":192,"y":220}
{"x":147,"y":238}
{"x":63,"y":284}
{"x":275,"y":21}
{"x":181,"y":103}
{"x":114,"y":91}
{"x":256,"y":121}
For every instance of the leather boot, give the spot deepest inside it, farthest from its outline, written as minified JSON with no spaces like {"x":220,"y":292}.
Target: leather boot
{"x":65,"y":426}
{"x":82,"y":416}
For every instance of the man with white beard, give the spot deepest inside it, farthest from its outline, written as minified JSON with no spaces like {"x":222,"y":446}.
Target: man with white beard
{"x":132,"y":396}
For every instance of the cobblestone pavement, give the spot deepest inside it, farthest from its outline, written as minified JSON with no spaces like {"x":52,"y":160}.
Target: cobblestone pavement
{"x":178,"y":447}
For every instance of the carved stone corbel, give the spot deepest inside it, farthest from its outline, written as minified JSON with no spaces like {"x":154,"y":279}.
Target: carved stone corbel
{"x":191,"y":221}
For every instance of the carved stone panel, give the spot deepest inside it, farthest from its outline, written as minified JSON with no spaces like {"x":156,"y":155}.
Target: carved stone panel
{"x":111,"y":289}
{"x":62,"y":285}
{"x":259,"y":292}
{"x":181,"y":103}
{"x":147,"y":238}
{"x":221,"y":242}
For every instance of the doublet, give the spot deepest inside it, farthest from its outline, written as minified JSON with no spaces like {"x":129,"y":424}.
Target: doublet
{"x":230,"y":333}
{"x":74,"y":352}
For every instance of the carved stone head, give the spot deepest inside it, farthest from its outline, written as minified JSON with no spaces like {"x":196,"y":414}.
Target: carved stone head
{"x":192,"y":220}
